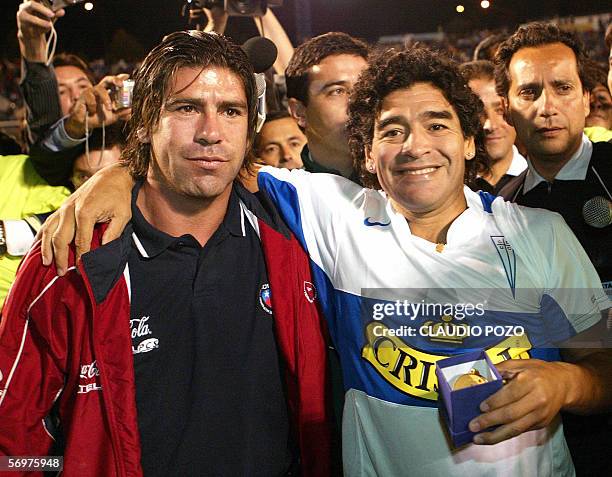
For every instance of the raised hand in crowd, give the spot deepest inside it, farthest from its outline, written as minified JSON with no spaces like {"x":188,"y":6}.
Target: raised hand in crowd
{"x":95,"y":108}
{"x":34,"y":21}
{"x":269,"y":27}
{"x":217,"y":19}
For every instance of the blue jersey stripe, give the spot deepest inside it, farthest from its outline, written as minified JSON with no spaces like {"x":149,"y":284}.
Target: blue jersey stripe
{"x":348,"y":316}
{"x":487,"y":199}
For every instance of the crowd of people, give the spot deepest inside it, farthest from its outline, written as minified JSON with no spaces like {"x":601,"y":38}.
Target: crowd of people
{"x":462,"y":47}
{"x":206,"y":278}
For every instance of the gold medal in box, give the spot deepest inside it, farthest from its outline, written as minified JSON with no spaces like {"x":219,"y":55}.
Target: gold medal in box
{"x":469,"y":379}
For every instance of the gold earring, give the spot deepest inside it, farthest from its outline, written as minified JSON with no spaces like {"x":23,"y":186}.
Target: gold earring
{"x":470,"y":155}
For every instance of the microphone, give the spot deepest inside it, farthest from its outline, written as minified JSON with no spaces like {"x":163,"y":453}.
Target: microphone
{"x":262,"y":53}
{"x":597,"y":212}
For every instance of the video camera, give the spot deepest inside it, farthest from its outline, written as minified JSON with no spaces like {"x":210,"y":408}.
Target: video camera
{"x":238,"y":8}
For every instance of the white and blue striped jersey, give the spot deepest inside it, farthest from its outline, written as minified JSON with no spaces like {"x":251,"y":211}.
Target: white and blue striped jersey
{"x":516,"y":266}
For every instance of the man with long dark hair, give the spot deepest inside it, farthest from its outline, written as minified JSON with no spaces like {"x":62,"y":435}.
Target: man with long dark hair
{"x":165,"y":352}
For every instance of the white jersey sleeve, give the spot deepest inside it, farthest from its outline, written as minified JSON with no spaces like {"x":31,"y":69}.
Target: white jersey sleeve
{"x":571,"y":279}
{"x":571,"y":295}
{"x":314,"y":206}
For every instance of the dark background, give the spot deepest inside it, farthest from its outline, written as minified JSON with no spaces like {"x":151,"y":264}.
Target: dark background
{"x":134,"y":26}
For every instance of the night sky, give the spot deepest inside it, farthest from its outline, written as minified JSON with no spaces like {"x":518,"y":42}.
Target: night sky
{"x":90,"y":33}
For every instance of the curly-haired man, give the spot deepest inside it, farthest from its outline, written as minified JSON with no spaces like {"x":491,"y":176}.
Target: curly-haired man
{"x":415,"y":135}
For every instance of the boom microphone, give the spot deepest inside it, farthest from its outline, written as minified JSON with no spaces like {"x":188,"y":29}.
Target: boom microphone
{"x":597,"y":212}
{"x":261,"y":52}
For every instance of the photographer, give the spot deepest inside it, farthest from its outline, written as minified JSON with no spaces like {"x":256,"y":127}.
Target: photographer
{"x":54,"y":155}
{"x":39,"y":84}
{"x":63,"y":102}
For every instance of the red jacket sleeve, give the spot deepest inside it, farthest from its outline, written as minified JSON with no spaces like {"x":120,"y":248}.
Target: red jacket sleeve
{"x":32,"y":353}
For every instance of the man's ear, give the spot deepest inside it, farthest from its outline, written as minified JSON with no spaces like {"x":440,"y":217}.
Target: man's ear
{"x":506,"y":109}
{"x":369,"y":161}
{"x":470,"y":148}
{"x":143,"y":135}
{"x":297,"y":109}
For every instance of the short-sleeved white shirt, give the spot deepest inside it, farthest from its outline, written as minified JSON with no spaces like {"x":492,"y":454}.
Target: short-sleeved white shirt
{"x":521,"y":267}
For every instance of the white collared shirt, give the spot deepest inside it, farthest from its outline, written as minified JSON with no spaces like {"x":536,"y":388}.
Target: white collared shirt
{"x":362,"y":251}
{"x":574,"y":170}
{"x":518,"y":164}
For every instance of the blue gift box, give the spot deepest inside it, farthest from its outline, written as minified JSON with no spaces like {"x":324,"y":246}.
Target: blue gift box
{"x":459,"y":407}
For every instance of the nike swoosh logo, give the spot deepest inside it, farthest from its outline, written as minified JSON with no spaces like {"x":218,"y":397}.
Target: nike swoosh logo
{"x":367,"y":223}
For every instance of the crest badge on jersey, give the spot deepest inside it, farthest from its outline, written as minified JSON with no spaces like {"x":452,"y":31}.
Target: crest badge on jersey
{"x":265,"y":299}
{"x":508,"y":258}
{"x":310,"y":292}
